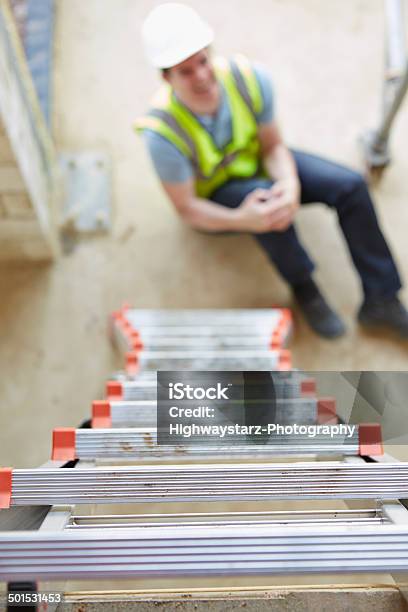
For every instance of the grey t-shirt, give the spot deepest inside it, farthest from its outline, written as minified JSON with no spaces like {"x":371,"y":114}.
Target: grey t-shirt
{"x":172,"y":165}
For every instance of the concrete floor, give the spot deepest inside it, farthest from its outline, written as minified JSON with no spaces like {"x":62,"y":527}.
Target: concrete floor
{"x":326,"y":63}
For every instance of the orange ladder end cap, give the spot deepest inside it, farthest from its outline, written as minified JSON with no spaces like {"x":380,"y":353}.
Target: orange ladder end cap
{"x":326,"y":411}
{"x":6,"y":477}
{"x":370,"y":439}
{"x":285,"y":321}
{"x":308,"y":387}
{"x":135,"y":341}
{"x":63,"y":444}
{"x":101,"y":414}
{"x":125,"y":326}
{"x":286,"y":317}
{"x":114,"y":390}
{"x":287,"y":313}
{"x":283,"y":328}
{"x":285,"y":360}
{"x":276,"y":340}
{"x":132,"y":362}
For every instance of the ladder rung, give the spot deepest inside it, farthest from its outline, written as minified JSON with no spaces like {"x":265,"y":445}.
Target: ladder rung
{"x":146,"y":389}
{"x":215,"y":482}
{"x":222,"y":360}
{"x":141,"y":443}
{"x":206,"y":317}
{"x":172,"y":551}
{"x":138,"y":413}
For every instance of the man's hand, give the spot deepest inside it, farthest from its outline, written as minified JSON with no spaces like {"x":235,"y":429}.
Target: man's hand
{"x":254,"y":213}
{"x":266,"y":210}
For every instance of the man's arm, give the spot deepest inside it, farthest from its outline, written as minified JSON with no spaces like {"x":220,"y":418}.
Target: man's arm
{"x":280,"y":166}
{"x":276,"y":157}
{"x":198,"y":212}
{"x":176,"y":176}
{"x":253,"y":215}
{"x":258,"y":212}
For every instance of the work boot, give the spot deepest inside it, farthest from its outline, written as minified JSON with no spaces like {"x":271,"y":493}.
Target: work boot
{"x":384,"y":313}
{"x":320,"y":316}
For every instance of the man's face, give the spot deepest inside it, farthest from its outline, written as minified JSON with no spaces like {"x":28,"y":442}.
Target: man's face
{"x":194,"y":79}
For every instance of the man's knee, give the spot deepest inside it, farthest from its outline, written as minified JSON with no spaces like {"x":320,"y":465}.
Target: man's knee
{"x":233,"y":192}
{"x":355,"y":182}
{"x":262,"y":183}
{"x":353,"y":191}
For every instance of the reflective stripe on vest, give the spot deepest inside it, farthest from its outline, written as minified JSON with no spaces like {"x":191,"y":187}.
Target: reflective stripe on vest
{"x":213,"y":166}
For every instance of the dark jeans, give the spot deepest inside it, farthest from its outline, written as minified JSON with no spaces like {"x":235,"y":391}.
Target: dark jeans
{"x":346,"y":192}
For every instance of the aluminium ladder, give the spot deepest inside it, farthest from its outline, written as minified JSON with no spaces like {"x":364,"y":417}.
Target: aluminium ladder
{"x":112,"y":459}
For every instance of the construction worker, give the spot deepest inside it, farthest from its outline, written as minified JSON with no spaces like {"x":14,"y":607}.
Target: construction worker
{"x":218,"y":152}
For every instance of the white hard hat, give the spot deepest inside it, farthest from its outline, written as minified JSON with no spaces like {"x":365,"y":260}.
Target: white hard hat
{"x":172,"y":32}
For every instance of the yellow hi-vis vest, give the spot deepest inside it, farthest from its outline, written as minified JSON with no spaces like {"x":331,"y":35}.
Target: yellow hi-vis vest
{"x":213,"y":166}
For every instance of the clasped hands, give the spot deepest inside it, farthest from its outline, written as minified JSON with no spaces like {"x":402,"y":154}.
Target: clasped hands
{"x":274,"y":209}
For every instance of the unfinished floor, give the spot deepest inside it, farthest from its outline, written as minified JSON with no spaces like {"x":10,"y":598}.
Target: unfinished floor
{"x":326,"y":63}
{"x":325,"y":59}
